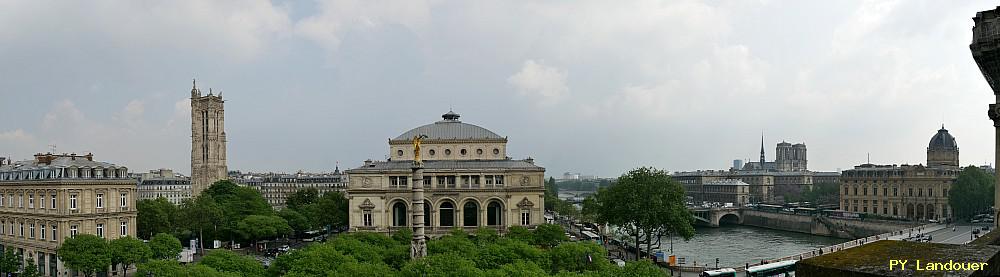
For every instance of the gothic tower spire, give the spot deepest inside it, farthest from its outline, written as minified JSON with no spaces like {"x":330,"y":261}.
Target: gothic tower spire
{"x":762,"y":149}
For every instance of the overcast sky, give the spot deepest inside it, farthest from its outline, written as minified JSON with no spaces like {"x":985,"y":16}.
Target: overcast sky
{"x":596,"y":87}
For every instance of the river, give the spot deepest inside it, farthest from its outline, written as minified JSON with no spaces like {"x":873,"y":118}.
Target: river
{"x":736,"y":245}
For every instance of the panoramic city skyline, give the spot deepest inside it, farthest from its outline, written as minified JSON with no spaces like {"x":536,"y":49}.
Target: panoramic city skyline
{"x":680,"y":86}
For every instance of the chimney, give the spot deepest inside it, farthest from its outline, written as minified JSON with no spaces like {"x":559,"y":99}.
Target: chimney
{"x":90,"y":156}
{"x":368,"y":162}
{"x":530,"y":160}
{"x":72,"y":156}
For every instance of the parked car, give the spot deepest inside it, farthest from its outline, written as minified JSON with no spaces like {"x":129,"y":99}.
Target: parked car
{"x":284,"y":248}
{"x":975,"y":231}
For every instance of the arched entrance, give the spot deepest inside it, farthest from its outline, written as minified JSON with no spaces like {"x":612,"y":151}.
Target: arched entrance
{"x":446,"y":214}
{"x":931,"y":211}
{"x":494,"y":213}
{"x":909,"y":211}
{"x":399,"y":214}
{"x":920,"y":211}
{"x":470,"y":214}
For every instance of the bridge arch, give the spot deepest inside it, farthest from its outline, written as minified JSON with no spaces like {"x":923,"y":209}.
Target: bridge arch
{"x":729,"y":219}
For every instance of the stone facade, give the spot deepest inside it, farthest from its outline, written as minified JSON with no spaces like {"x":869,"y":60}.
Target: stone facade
{"x":208,"y":140}
{"x":985,"y":49}
{"x":905,"y":191}
{"x":164,"y":183}
{"x":46,"y":200}
{"x":276,"y":187}
{"x":468,"y":181}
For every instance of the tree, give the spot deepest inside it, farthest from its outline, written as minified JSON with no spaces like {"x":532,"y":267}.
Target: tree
{"x":85,"y":253}
{"x":128,"y":251}
{"x":549,"y":235}
{"x":200,"y":214}
{"x":160,"y":268}
{"x":155,"y":216}
{"x":10,"y":262}
{"x":646,"y":203}
{"x":299,"y":223}
{"x":236,"y":203}
{"x":332,"y":210}
{"x":579,"y":257}
{"x":257,"y":227}
{"x":164,"y":246}
{"x":301,"y":198}
{"x":520,"y":233}
{"x":30,"y":269}
{"x":229,"y":261}
{"x":972,"y":193}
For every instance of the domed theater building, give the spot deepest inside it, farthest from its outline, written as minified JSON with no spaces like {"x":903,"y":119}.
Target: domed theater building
{"x":469,"y":182}
{"x":906,"y":191}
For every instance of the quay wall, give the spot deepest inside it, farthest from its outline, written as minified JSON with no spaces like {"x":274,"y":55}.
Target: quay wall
{"x":823,"y":226}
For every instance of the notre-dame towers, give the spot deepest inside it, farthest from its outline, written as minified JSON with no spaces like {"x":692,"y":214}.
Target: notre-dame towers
{"x":208,"y":140}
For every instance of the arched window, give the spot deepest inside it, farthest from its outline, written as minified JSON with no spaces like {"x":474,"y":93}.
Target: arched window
{"x":399,"y":214}
{"x":446,"y":214}
{"x":427,"y":214}
{"x":470,"y":214}
{"x":494,"y":212}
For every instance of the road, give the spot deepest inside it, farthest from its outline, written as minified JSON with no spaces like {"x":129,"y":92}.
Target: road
{"x":959,"y":234}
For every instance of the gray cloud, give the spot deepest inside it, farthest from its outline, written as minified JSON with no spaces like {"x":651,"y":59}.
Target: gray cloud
{"x":590,"y":86}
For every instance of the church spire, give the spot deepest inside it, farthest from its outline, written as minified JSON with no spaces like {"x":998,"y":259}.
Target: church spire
{"x":762,"y":149}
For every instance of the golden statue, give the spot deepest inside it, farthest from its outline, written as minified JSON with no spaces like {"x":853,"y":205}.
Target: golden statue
{"x":416,"y":148}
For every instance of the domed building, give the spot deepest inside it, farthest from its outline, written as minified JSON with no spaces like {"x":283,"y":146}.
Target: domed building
{"x":942,"y":151}
{"x":469,"y":182}
{"x":905,"y":191}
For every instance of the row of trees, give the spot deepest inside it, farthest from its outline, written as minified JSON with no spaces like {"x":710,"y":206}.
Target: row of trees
{"x":522,"y":252}
{"x":89,"y":254}
{"x":972,"y":193}
{"x":306,"y":210}
{"x":228,"y":212}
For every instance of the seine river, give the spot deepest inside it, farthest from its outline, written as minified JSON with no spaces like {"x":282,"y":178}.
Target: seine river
{"x":737,"y":245}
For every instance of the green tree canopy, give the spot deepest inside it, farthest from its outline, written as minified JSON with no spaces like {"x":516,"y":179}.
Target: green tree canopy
{"x":258,"y":227}
{"x":646,"y":203}
{"x":30,"y":268}
{"x":229,"y":261}
{"x":155,"y":216}
{"x":579,"y":257}
{"x":236,"y":203}
{"x":201,"y":214}
{"x":972,"y":193}
{"x":549,"y":235}
{"x":128,"y":251}
{"x":85,"y":253}
{"x":165,"y":246}
{"x":10,"y":262}
{"x":301,"y":198}
{"x":297,"y":221}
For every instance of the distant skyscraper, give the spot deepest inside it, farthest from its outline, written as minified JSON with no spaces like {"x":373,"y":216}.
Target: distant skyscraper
{"x":208,"y":140}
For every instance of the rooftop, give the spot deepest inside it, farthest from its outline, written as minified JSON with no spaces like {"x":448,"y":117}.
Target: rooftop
{"x":448,"y":129}
{"x":526,"y":164}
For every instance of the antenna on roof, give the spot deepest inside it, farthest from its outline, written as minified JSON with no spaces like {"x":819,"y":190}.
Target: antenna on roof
{"x":869,"y":157}
{"x":52,"y":148}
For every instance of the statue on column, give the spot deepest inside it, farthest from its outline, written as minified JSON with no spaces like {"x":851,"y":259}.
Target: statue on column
{"x":416,"y":148}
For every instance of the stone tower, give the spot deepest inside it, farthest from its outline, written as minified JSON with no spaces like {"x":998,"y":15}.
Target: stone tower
{"x":208,"y":140}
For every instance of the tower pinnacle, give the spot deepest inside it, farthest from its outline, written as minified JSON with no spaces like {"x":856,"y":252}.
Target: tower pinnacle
{"x":762,"y":150}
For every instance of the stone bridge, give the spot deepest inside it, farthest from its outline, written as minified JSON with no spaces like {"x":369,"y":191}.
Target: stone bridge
{"x":714,"y":216}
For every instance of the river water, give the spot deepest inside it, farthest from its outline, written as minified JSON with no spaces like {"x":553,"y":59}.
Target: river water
{"x":736,"y":245}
